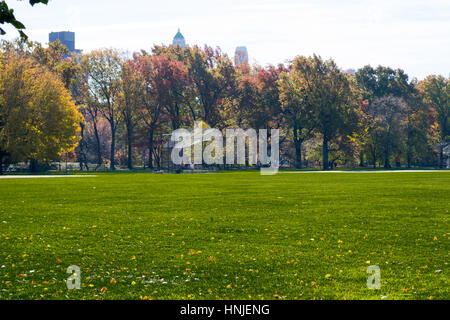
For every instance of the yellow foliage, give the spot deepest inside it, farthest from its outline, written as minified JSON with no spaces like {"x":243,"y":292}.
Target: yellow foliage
{"x":39,"y":118}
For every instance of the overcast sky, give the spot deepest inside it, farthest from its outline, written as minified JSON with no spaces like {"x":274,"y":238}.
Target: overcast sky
{"x":410,"y":34}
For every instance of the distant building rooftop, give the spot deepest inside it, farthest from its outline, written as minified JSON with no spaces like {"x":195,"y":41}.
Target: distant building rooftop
{"x":179,"y":40}
{"x":241,"y":56}
{"x":67,"y":38}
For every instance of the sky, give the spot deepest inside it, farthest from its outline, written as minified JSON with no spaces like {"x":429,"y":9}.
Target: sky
{"x":413,"y":35}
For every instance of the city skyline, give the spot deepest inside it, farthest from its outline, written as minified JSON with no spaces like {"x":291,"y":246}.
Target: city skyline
{"x":414,"y":36}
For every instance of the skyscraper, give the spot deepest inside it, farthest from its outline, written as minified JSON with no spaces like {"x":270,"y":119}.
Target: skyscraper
{"x":241,"y":56}
{"x":178,"y":40}
{"x":67,"y":38}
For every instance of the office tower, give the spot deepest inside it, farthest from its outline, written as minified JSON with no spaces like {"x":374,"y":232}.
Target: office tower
{"x":241,"y":56}
{"x":178,"y":40}
{"x":67,"y":38}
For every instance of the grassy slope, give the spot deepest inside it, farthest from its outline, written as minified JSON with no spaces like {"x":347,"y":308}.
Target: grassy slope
{"x":235,"y":235}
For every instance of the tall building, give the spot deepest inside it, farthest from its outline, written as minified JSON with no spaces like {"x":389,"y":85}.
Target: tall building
{"x":67,"y":38}
{"x":241,"y":56}
{"x":178,"y":40}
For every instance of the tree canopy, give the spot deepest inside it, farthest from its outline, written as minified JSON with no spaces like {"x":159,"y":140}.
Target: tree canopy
{"x":7,"y":16}
{"x":38,"y":118}
{"x":327,"y":117}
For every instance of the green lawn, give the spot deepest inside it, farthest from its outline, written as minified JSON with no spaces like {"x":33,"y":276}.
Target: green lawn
{"x":226,"y":236}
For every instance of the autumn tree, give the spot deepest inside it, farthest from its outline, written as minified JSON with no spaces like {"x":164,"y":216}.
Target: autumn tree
{"x":170,"y":80}
{"x":256,"y":94}
{"x":244,"y":102}
{"x":90,"y":109}
{"x":60,"y":61}
{"x":190,"y":107}
{"x":152,"y":95}
{"x":213,"y":75}
{"x":130,"y":102}
{"x":270,"y":111}
{"x":38,"y":118}
{"x":63,"y":64}
{"x":102,"y":71}
{"x":56,"y":57}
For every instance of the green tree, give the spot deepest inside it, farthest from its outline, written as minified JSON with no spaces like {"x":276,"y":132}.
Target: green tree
{"x":420,"y":133}
{"x":213,"y":76}
{"x":437,"y":93}
{"x":332,"y":98}
{"x":383,"y":81}
{"x":296,"y":111}
{"x":374,"y":85}
{"x":389,"y":113}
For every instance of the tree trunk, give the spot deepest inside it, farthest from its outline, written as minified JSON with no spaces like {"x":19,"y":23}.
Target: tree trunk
{"x":1,"y":163}
{"x":34,"y":165}
{"x":373,"y":153}
{"x":82,"y":148}
{"x":409,"y":147}
{"x":387,"y":153}
{"x":98,"y":148}
{"x":112,"y":166}
{"x":130,"y":149}
{"x":150,"y":149}
{"x":158,"y":156}
{"x":441,"y":156}
{"x":298,"y":152}
{"x":325,"y":153}
{"x":409,"y":159}
{"x":298,"y":149}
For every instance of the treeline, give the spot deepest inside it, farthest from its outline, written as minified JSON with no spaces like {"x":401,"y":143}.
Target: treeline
{"x":326,"y":116}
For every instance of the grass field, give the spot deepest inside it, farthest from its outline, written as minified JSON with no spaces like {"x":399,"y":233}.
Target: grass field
{"x":226,"y":236}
